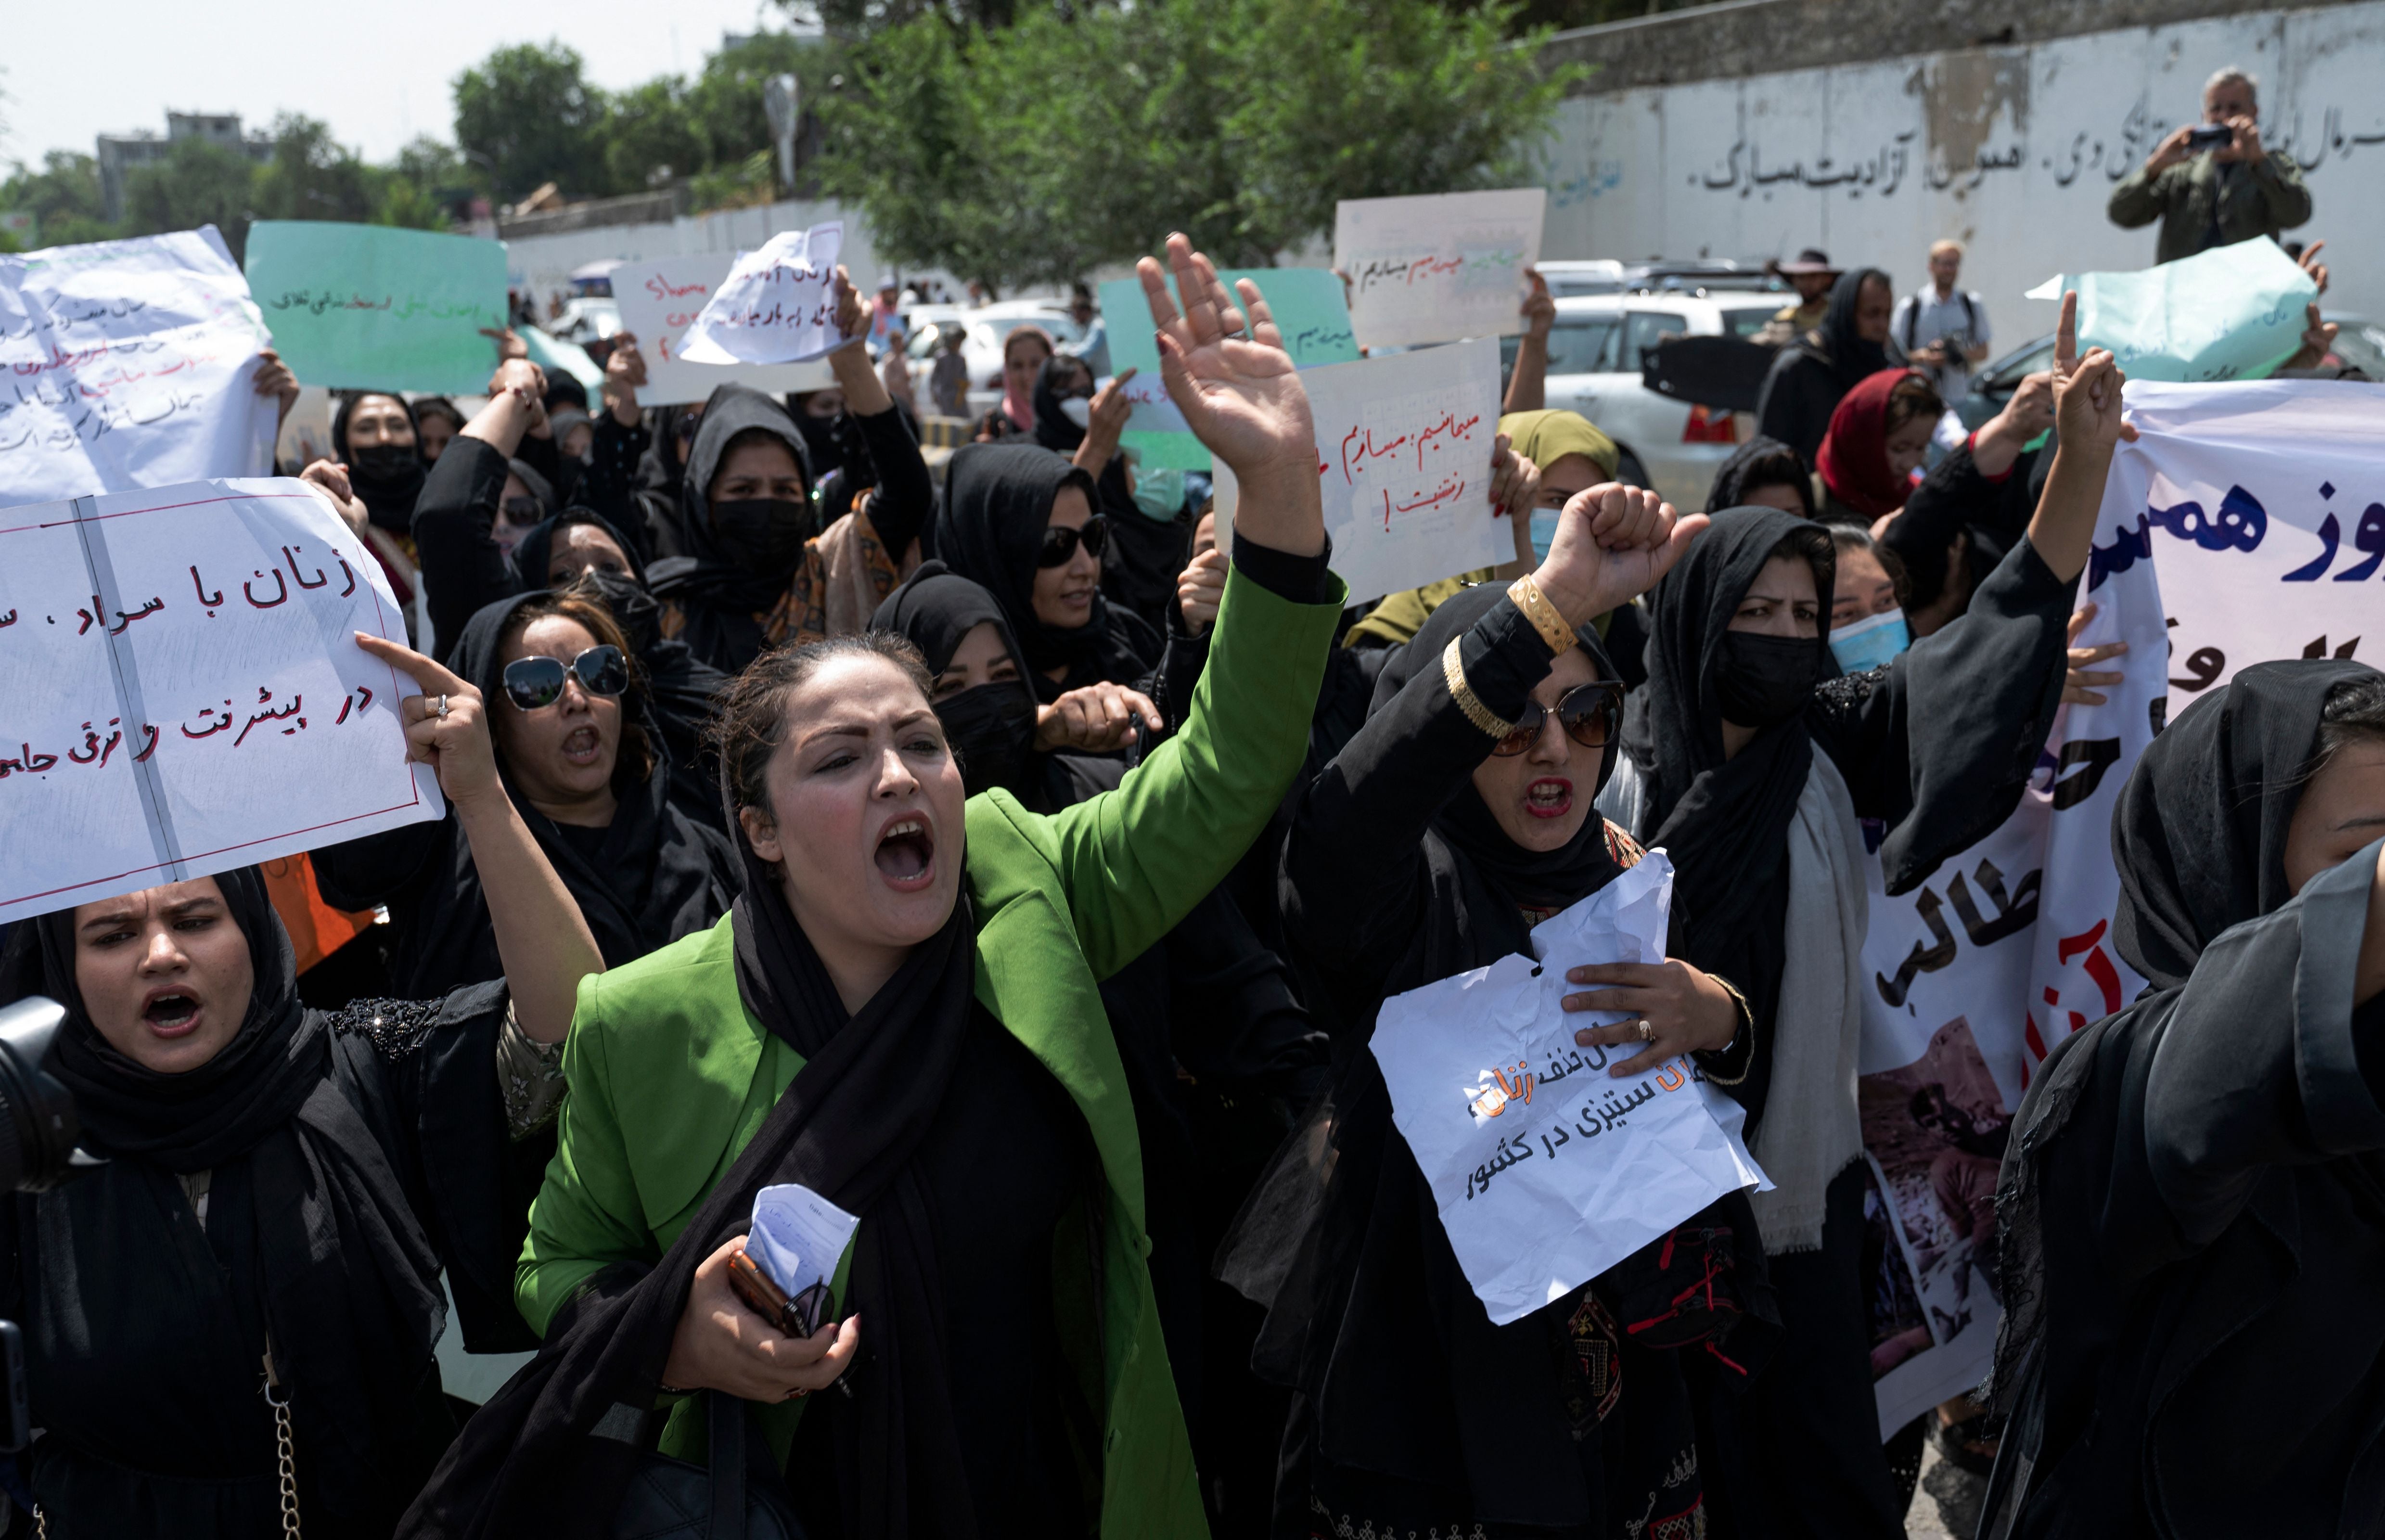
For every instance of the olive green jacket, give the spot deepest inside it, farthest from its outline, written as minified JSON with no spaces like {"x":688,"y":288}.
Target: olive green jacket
{"x":2270,"y":198}
{"x":669,"y":1077}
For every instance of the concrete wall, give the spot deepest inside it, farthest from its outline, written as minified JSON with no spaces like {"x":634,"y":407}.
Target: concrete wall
{"x":2012,"y":148}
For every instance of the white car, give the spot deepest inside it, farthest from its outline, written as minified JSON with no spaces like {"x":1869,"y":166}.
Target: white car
{"x":1672,"y":446}
{"x":984,"y":329}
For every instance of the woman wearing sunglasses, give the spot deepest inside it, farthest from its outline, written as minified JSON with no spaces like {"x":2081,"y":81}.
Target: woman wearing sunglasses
{"x":579,"y":752}
{"x":1457,"y":817}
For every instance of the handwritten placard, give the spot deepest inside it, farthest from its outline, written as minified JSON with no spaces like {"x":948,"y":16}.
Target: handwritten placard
{"x":371,"y":307}
{"x":778,"y":305}
{"x":1404,"y":449}
{"x":2234,"y":312}
{"x":1308,"y":310}
{"x":1546,"y":1169}
{"x":128,"y":363}
{"x":659,"y":301}
{"x":1432,"y":270}
{"x":186,"y":693}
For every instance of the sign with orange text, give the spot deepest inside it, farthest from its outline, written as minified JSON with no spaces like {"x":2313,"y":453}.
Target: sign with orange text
{"x":185,"y":691}
{"x":659,"y":300}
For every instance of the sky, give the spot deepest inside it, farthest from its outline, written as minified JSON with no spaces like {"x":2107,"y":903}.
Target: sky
{"x":378,"y":75}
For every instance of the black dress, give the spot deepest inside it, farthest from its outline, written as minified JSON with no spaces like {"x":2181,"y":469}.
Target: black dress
{"x":1811,"y":375}
{"x":2194,"y":1201}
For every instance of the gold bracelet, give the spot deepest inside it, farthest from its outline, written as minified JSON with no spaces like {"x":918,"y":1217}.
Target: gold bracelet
{"x":1453,"y":672}
{"x":1528,"y":597}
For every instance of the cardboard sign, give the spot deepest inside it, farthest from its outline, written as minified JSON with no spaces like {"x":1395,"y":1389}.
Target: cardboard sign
{"x":372,"y":308}
{"x":1433,"y":269}
{"x":778,"y":305}
{"x":659,"y":300}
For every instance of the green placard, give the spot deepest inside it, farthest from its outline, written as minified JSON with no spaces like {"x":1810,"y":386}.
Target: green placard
{"x":368,"y":307}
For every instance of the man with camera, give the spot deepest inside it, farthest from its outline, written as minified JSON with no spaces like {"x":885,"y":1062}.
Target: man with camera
{"x":1943,"y":329}
{"x":2212,"y":184}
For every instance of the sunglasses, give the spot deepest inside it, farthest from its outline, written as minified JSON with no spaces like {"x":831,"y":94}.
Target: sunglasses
{"x":1060,"y":541}
{"x":522,"y":510}
{"x":1591,"y":714}
{"x":531,"y":682}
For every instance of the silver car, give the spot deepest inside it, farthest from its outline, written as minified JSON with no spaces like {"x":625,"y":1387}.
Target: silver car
{"x":984,"y":329}
{"x":1594,"y":356}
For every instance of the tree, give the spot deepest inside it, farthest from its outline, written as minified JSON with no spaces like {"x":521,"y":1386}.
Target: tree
{"x":311,"y":176}
{"x":651,"y":137}
{"x":1081,"y":136}
{"x":197,"y":183}
{"x":530,"y":116}
{"x":64,"y":196}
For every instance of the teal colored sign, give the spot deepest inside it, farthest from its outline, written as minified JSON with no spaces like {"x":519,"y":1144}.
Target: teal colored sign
{"x":1310,"y":309}
{"x":368,"y":307}
{"x":2229,"y":313}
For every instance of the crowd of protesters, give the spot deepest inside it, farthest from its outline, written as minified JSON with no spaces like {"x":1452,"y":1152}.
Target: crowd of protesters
{"x":987,"y":850}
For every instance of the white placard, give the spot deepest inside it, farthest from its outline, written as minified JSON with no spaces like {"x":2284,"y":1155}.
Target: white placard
{"x":128,"y":363}
{"x":1404,"y":450}
{"x":1435,"y":268}
{"x":1547,"y":1169}
{"x":659,"y":301}
{"x":778,"y":305}
{"x":798,"y":1237}
{"x":186,"y":695}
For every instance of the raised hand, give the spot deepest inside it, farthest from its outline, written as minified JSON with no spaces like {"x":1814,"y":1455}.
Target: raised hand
{"x":2171,"y":150}
{"x":330,"y":479}
{"x":2245,"y":148}
{"x":1540,"y":311}
{"x":1098,"y":719}
{"x":2308,"y":261}
{"x":446,"y":726}
{"x":852,"y":310}
{"x":1200,"y":588}
{"x":508,"y":341}
{"x":1515,"y":480}
{"x":274,"y":379}
{"x":1230,"y":378}
{"x":2086,"y":391}
{"x":625,"y":374}
{"x":1613,"y":543}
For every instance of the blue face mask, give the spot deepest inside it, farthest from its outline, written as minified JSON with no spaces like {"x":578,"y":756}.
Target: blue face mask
{"x":1870,"y":643}
{"x":1158,"y":494}
{"x":1544,"y":530}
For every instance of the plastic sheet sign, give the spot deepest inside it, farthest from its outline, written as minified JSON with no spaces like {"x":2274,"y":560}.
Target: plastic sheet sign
{"x":659,"y":300}
{"x":371,"y":307}
{"x":185,"y":691}
{"x":778,"y":305}
{"x":1546,"y":1170}
{"x":127,"y":364}
{"x":1433,"y":269}
{"x":1404,"y":449}
{"x":2234,"y":312}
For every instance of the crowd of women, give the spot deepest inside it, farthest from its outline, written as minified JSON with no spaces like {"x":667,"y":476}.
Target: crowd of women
{"x":1018,"y":860}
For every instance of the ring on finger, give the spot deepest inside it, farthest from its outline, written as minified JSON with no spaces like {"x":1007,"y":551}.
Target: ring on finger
{"x":441,"y":712}
{"x":798,"y":1393}
{"x":1647,"y":1030}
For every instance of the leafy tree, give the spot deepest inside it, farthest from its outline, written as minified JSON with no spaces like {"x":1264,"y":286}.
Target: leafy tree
{"x":311,"y":175}
{"x":64,"y":197}
{"x":650,"y":136}
{"x":197,"y":183}
{"x":529,"y":112}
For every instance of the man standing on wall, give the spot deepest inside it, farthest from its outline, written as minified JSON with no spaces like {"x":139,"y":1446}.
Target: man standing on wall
{"x":1943,"y":329}
{"x":2212,"y":184}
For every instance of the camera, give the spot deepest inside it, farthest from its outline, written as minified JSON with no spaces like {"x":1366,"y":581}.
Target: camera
{"x":38,"y":1127}
{"x":2209,"y":136}
{"x":1951,"y":348}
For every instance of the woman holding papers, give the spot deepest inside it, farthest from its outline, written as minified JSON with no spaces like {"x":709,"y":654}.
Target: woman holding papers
{"x":1749,"y":759}
{"x":234,"y":1317}
{"x":901,"y":1014}
{"x":2194,"y":1199}
{"x":1455,"y":819}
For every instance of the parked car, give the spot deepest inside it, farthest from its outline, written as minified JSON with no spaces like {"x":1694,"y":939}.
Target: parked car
{"x":984,"y":328}
{"x":2359,"y":344}
{"x":1568,"y":280}
{"x":1594,"y":362}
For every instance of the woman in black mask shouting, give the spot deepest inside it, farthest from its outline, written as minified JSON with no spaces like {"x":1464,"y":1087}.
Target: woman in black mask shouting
{"x":1749,"y":759}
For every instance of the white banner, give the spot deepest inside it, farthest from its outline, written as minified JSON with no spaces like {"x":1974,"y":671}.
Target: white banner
{"x":1435,"y":268}
{"x":1404,"y":458}
{"x":659,"y":301}
{"x":778,"y":305}
{"x":128,"y":363}
{"x":2244,"y":525}
{"x":185,"y":693}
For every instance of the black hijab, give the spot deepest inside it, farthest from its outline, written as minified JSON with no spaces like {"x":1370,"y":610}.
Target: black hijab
{"x":1724,"y":821}
{"x":2200,"y":831}
{"x":1836,"y":343}
{"x":998,"y":501}
{"x":847,"y":1127}
{"x":534,"y":482}
{"x":720,"y":594}
{"x":388,"y":492}
{"x":1053,"y":429}
{"x":1779,"y":465}
{"x":351,"y":1299}
{"x":535,"y":549}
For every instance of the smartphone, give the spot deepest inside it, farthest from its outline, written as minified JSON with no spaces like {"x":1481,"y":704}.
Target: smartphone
{"x":2209,"y":136}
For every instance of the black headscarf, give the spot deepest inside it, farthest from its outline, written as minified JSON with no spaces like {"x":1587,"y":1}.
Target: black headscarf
{"x":1724,"y":821}
{"x":1837,"y":344}
{"x":718,"y":593}
{"x":387,"y":492}
{"x":534,"y":482}
{"x":847,"y":1127}
{"x":998,"y":501}
{"x":534,"y":550}
{"x":2200,"y":831}
{"x":1730,"y":482}
{"x":1053,"y":429}
{"x":350,"y":1293}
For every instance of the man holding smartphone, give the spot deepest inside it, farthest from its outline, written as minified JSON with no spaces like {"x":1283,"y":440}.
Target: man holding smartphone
{"x":2212,"y":184}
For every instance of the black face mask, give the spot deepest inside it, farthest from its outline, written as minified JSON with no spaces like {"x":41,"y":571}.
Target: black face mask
{"x":991,"y":728}
{"x":634,"y":609}
{"x":387,"y":477}
{"x":764,"y":534}
{"x":1765,"y":680}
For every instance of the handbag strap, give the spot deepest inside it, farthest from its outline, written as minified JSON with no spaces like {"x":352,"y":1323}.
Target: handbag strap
{"x":725,"y":1438}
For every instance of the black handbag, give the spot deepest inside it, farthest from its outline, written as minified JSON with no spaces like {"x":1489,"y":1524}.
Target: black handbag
{"x":739,"y":1497}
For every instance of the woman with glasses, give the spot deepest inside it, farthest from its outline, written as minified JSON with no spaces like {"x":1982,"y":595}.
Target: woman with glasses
{"x":580,"y":753}
{"x":1456,"y":819}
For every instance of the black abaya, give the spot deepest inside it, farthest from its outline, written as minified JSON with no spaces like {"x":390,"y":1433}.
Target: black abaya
{"x":1811,"y":374}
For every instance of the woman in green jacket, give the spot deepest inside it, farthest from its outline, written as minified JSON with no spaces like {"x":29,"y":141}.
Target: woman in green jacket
{"x":901,"y":1014}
